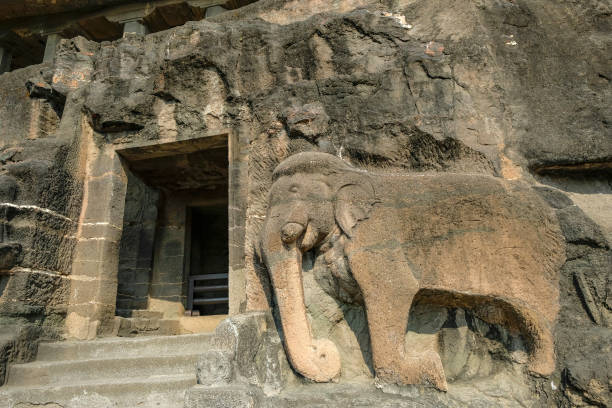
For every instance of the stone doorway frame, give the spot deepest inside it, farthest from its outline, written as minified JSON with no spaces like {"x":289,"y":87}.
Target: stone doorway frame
{"x":95,"y":260}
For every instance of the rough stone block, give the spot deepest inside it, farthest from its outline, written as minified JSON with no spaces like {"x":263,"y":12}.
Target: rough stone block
{"x":214,"y":367}
{"x":580,"y":229}
{"x":8,"y":187}
{"x":97,"y":249}
{"x":222,"y":397}
{"x":309,"y":121}
{"x":255,"y":350}
{"x":106,"y":269}
{"x":101,"y":230}
{"x":554,"y":197}
{"x":16,"y":111}
{"x":86,"y":268}
{"x":106,"y":164}
{"x":100,"y":290}
{"x":168,"y":291}
{"x":35,"y":286}
{"x":10,"y":255}
{"x":145,"y":262}
{"x":111,"y":208}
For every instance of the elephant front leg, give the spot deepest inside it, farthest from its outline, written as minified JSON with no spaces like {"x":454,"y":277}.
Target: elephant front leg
{"x":388,"y":288}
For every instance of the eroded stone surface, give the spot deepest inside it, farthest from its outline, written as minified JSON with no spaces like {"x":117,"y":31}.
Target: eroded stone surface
{"x":512,"y":90}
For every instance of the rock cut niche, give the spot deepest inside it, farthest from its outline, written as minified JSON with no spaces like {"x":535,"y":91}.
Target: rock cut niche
{"x":175,"y":227}
{"x":469,"y":346}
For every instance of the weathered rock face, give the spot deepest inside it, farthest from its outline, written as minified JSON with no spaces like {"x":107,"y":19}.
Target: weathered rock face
{"x":514,"y":90}
{"x":40,"y":191}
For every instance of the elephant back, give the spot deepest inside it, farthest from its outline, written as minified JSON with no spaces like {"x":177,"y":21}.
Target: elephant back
{"x":476,"y":234}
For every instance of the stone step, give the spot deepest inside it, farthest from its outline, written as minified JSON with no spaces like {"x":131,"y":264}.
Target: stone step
{"x":147,"y":314}
{"x":144,"y":314}
{"x":163,"y":391}
{"x":145,"y":326}
{"x":121,"y":347}
{"x":42,"y":373}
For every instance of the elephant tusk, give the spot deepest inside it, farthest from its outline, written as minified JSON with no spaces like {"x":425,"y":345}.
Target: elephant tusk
{"x":291,"y":231}
{"x":309,"y":240}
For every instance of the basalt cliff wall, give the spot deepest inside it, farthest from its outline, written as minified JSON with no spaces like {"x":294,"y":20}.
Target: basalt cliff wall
{"x":513,"y":89}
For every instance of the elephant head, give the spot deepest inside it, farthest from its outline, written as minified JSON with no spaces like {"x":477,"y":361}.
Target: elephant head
{"x":314,"y":196}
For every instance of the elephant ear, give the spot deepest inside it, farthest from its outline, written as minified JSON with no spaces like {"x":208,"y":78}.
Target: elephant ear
{"x":354,"y":202}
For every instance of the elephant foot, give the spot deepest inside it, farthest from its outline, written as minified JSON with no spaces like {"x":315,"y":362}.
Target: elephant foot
{"x":543,"y":362}
{"x":328,"y":360}
{"x":543,"y":353}
{"x":320,"y":362}
{"x":422,"y":368}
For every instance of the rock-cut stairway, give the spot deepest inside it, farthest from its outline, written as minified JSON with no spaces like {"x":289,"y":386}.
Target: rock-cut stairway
{"x":114,"y":372}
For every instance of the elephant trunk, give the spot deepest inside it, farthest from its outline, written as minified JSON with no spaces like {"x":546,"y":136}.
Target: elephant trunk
{"x":316,"y":359}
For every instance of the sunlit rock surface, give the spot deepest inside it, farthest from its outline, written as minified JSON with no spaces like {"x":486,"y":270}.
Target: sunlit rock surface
{"x":510,"y":89}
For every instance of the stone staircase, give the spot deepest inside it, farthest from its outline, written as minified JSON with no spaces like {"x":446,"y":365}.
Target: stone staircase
{"x":151,"y":371}
{"x":145,"y":323}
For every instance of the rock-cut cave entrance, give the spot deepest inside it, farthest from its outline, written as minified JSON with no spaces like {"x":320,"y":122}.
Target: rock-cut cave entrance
{"x":174,"y":252}
{"x":208,"y":285}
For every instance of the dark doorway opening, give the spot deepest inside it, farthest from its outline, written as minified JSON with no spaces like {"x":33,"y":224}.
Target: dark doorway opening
{"x":175,"y":229}
{"x":209,"y":260}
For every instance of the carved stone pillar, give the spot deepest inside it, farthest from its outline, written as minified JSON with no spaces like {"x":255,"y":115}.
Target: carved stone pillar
{"x":52,"y":40}
{"x":5,"y":60}
{"x":214,"y":11}
{"x":132,"y":21}
{"x":135,"y":27}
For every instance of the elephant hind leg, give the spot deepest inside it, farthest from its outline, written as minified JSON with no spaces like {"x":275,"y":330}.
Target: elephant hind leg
{"x":537,"y":333}
{"x":541,"y":343}
{"x":514,"y":315}
{"x":535,"y":328}
{"x":387,"y":321}
{"x":543,"y":360}
{"x":388,"y":290}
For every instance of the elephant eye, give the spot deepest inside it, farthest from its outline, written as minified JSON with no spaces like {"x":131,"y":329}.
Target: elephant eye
{"x":293,"y":189}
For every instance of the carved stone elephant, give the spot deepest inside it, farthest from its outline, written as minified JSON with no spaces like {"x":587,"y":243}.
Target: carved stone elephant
{"x":462,"y":240}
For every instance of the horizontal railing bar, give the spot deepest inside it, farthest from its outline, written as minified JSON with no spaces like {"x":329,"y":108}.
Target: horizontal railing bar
{"x":208,"y":277}
{"x":212,"y":288}
{"x":210,"y":301}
